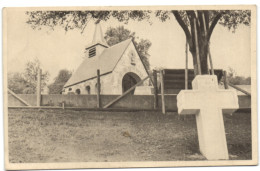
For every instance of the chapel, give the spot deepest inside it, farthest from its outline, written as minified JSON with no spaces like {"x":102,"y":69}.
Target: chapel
{"x":120,"y":68}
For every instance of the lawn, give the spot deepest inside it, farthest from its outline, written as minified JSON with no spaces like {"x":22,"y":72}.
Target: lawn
{"x":83,"y":136}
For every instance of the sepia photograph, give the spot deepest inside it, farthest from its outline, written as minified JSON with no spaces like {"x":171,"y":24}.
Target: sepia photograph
{"x":120,"y":87}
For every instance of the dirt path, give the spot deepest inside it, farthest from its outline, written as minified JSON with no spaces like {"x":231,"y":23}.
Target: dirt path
{"x":81,"y":136}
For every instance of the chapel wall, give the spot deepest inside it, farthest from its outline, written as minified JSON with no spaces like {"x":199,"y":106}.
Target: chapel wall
{"x":104,"y":81}
{"x":124,"y":66}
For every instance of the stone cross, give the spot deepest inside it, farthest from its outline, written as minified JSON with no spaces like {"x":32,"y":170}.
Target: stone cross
{"x":208,"y":102}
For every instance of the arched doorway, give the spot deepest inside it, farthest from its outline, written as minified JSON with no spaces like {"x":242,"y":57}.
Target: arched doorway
{"x":129,"y":80}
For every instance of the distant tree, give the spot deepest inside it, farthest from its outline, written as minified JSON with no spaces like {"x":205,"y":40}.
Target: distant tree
{"x":26,"y":82}
{"x":31,"y":74}
{"x":57,"y":86}
{"x":119,"y":34}
{"x":143,"y":47}
{"x":17,"y":82}
{"x":237,"y":80}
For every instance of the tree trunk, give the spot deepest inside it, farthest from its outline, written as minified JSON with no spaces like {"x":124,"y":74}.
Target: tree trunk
{"x":200,"y":20}
{"x":202,"y":45}
{"x":203,"y":53}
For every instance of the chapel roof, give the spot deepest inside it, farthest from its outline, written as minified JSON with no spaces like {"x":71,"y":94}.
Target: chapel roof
{"x":105,"y":62}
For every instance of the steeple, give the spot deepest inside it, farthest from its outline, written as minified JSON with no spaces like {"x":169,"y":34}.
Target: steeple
{"x":98,"y":44}
{"x":98,"y":36}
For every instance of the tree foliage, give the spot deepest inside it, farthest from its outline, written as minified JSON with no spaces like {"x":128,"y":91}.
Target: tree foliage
{"x":79,"y":19}
{"x":26,"y":82}
{"x":119,"y":34}
{"x":31,"y":74}
{"x":203,"y":20}
{"x":17,"y":83}
{"x":234,"y":79}
{"x":57,"y":86}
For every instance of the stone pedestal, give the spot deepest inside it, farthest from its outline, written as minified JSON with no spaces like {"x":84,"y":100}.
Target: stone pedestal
{"x":208,"y":102}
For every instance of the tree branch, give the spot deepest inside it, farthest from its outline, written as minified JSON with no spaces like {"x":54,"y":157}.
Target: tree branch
{"x":201,"y":23}
{"x":206,"y":15}
{"x":182,"y":24}
{"x":213,"y":24}
{"x":191,"y":15}
{"x":86,"y":23}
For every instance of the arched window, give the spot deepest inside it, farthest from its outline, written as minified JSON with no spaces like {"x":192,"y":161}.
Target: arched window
{"x":88,"y":89}
{"x":77,"y":91}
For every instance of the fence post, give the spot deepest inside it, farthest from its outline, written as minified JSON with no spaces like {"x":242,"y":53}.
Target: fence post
{"x":63,"y":105}
{"x":98,"y":89}
{"x":210,"y":60}
{"x":155,"y":86}
{"x":225,"y":79}
{"x":38,"y":93}
{"x":162,"y":91}
{"x":197,"y":46}
{"x":186,"y":66}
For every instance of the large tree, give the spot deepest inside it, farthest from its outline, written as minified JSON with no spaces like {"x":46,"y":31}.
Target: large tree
{"x":203,"y":20}
{"x":119,"y":34}
{"x":200,"y":24}
{"x":57,"y":86}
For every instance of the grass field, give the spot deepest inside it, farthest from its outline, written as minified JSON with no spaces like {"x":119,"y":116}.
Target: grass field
{"x":83,"y":136}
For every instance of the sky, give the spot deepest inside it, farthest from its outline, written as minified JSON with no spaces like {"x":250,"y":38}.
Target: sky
{"x":57,"y":49}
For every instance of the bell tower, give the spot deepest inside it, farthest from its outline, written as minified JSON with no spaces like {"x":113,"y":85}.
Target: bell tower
{"x":98,"y":43}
